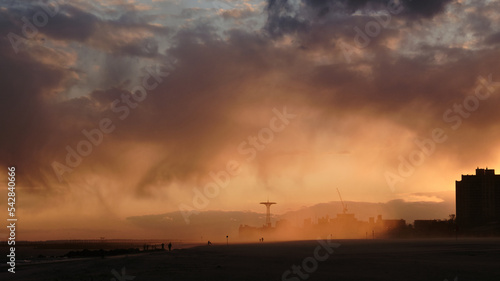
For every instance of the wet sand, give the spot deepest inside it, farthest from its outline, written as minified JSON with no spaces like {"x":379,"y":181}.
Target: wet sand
{"x":440,"y":259}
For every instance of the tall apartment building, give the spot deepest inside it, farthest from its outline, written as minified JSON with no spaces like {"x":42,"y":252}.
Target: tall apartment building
{"x":478,"y":199}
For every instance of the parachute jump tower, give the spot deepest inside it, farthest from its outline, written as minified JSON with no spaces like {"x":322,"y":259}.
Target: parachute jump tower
{"x":268,"y":214}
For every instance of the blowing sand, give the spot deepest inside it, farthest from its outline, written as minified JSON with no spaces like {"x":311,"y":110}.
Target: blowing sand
{"x":431,"y":260}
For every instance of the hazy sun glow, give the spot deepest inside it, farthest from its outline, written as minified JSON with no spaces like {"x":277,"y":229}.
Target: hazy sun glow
{"x":120,"y":117}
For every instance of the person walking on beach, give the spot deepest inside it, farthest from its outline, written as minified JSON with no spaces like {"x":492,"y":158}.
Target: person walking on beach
{"x":209,"y":243}
{"x":169,"y":246}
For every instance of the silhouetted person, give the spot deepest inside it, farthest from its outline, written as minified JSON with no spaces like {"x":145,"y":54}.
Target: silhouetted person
{"x":209,"y":243}
{"x":169,"y":246}
{"x":262,"y":239}
{"x":163,"y":246}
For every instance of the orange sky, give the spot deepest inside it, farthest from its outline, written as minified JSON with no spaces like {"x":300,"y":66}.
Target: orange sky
{"x":114,"y":110}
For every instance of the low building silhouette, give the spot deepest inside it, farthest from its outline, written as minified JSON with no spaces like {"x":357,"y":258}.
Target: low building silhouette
{"x":343,"y":226}
{"x":434,"y":228}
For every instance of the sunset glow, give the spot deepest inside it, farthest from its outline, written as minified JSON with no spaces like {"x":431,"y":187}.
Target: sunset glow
{"x":128,"y":119}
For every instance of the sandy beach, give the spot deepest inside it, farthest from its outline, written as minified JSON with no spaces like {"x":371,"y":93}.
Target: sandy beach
{"x":465,"y":259}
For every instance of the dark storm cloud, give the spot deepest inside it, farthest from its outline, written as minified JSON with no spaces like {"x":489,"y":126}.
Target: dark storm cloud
{"x":425,"y":8}
{"x":493,"y":39}
{"x":187,"y":110}
{"x":413,"y":8}
{"x":344,"y":6}
{"x":24,"y":118}
{"x":36,"y":126}
{"x":195,"y":115}
{"x":282,"y":19}
{"x":71,"y":23}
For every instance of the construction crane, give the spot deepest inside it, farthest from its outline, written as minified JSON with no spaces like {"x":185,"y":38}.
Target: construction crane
{"x":344,"y":206}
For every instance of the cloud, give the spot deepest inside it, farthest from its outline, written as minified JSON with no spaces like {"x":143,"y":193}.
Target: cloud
{"x":493,"y":39}
{"x":223,"y":88}
{"x":130,"y":34}
{"x":424,"y":8}
{"x":284,"y":17}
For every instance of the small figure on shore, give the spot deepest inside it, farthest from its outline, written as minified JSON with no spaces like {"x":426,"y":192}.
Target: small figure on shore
{"x":163,"y":246}
{"x":262,"y":239}
{"x":209,"y":243}
{"x":169,"y":246}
